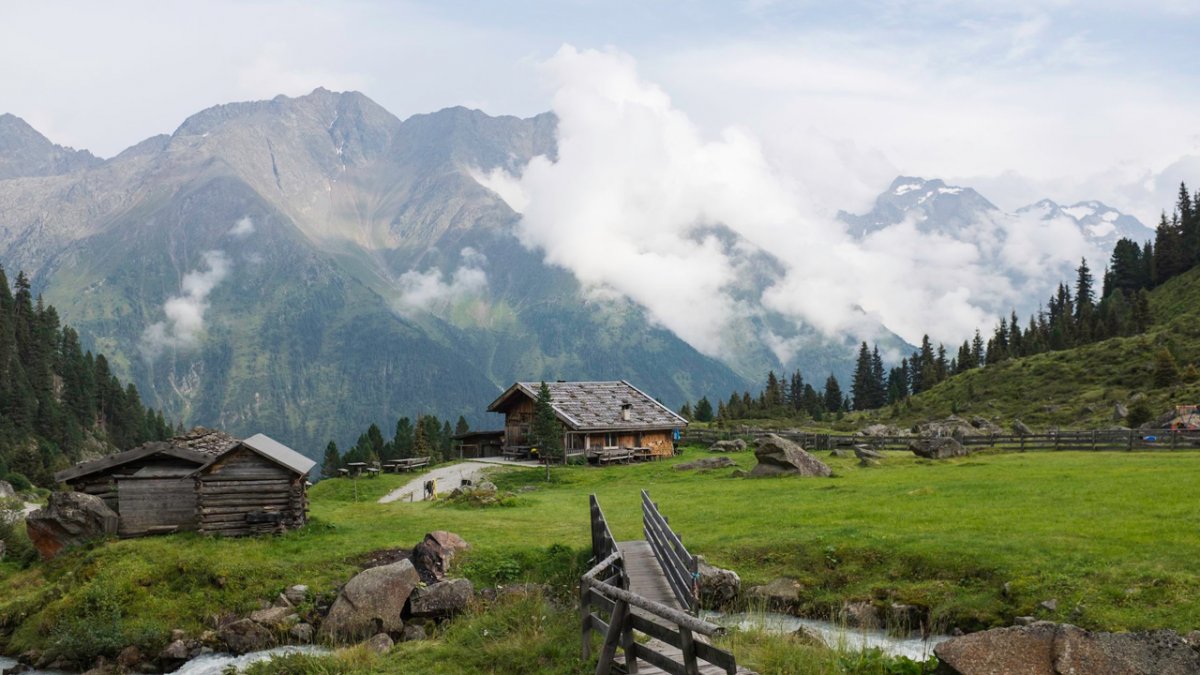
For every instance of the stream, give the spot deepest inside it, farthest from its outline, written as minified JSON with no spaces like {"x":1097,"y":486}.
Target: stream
{"x":205,"y":664}
{"x":834,"y":635}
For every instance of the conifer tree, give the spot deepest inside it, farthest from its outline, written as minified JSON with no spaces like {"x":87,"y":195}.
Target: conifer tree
{"x":704,"y":410}
{"x":833,"y":394}
{"x":546,"y":430}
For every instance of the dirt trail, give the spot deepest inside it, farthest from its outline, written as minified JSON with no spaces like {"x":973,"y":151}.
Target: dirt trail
{"x":447,"y":477}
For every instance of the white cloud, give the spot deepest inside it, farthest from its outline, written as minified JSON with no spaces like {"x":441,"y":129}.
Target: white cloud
{"x":185,"y":312}
{"x":431,"y":289}
{"x":244,"y":227}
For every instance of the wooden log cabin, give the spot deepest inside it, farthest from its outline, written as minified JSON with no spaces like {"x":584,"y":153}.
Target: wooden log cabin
{"x":183,"y":484}
{"x":599,"y":419}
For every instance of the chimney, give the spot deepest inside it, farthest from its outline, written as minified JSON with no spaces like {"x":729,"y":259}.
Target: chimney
{"x":625,"y":407}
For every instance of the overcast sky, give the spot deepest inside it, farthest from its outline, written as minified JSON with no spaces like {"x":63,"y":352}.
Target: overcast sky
{"x":817,"y":105}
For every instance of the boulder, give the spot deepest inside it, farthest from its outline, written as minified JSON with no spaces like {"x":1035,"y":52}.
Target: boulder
{"x":735,"y":445}
{"x":841,"y":452}
{"x":129,"y":657}
{"x":69,"y":519}
{"x":174,"y":653}
{"x":864,"y":452}
{"x":780,"y":594}
{"x":486,"y":486}
{"x":432,"y":556}
{"x":938,"y":448}
{"x":296,"y":594}
{"x":7,"y":491}
{"x":809,"y":637}
{"x":778,"y":455}
{"x":272,"y":617}
{"x":1120,"y":412}
{"x":985,"y":425}
{"x":1054,"y":649}
{"x":706,"y":463}
{"x":718,"y":587}
{"x":244,"y":635}
{"x":1021,"y":429}
{"x":952,"y":426}
{"x":302,"y":633}
{"x":380,"y":644}
{"x":441,"y":600}
{"x":860,"y":614}
{"x":881,"y":430}
{"x":372,"y":602}
{"x":412,"y":632}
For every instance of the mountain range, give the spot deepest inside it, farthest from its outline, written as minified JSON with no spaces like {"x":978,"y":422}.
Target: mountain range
{"x":306,"y":266}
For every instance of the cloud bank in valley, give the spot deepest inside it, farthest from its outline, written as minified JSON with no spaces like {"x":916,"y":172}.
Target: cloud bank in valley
{"x":185,"y":312}
{"x":431,"y":289}
{"x":639,"y":198}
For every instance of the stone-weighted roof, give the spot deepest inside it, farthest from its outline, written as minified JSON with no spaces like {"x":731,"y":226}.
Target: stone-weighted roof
{"x":596,"y":406}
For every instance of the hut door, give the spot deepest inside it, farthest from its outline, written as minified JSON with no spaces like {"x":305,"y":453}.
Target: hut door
{"x":156,"y":505}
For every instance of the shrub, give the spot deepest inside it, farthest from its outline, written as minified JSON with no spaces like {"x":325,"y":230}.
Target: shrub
{"x":1139,"y":414}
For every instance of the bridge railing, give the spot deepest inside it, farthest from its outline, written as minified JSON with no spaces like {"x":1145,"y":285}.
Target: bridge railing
{"x":606,"y":607}
{"x":679,"y":566}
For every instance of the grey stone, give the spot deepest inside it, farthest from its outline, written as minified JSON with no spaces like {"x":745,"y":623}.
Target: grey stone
{"x":69,"y":519}
{"x":296,"y":594}
{"x":706,"y":464}
{"x":841,"y":452}
{"x":380,"y":644}
{"x":178,"y":634}
{"x":412,"y":632}
{"x":372,"y":602}
{"x":129,"y":657}
{"x":778,"y":455}
{"x":432,"y":556}
{"x":7,"y":491}
{"x":176,"y":651}
{"x":780,"y":594}
{"x":1024,"y":621}
{"x":1120,"y":412}
{"x":718,"y":587}
{"x":860,"y":614}
{"x":807,"y":636}
{"x":301,"y":632}
{"x":938,"y":448}
{"x":881,"y":430}
{"x":282,"y":601}
{"x":1021,"y":429}
{"x":734,"y":445}
{"x":1050,"y":605}
{"x":864,"y":452}
{"x":441,"y":600}
{"x":272,"y":617}
{"x":245,"y":635}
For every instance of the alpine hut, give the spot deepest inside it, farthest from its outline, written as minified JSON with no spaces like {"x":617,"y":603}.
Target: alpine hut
{"x":257,"y":486}
{"x":600,"y":420}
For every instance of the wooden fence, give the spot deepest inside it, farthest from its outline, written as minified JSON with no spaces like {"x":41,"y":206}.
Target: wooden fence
{"x":1095,"y":440}
{"x":678,"y":565}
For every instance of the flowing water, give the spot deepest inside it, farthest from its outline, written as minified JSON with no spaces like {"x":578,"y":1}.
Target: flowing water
{"x":206,"y":664}
{"x":834,"y":635}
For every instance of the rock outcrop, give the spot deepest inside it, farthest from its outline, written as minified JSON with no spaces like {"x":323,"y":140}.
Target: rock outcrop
{"x":69,"y":519}
{"x":7,"y":491}
{"x":734,"y":445}
{"x":718,"y":587}
{"x":441,"y":600}
{"x":777,"y":455}
{"x":781,"y":595}
{"x":432,"y":556}
{"x":1045,"y":648}
{"x":1021,"y":429}
{"x":372,"y":602}
{"x":706,"y":463}
{"x":245,"y":635}
{"x":938,"y":448}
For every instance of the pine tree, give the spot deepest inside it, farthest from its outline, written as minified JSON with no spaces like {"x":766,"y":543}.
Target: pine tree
{"x":860,"y":385}
{"x":833,"y":394}
{"x":404,"y":440}
{"x":704,"y":410}
{"x":686,"y":411}
{"x":546,"y":430}
{"x":461,"y":427}
{"x":421,"y":447}
{"x":878,"y":381}
{"x":1166,"y":370}
{"x":332,"y":461}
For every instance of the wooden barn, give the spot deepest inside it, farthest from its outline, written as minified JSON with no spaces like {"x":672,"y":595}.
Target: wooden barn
{"x":151,"y":486}
{"x":476,"y":444}
{"x":258,"y":486}
{"x":601,"y":420}
{"x":204,"y":480}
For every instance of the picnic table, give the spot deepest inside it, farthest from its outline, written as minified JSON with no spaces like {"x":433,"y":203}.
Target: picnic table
{"x":611,"y":455}
{"x":408,"y":464}
{"x":356,"y":468}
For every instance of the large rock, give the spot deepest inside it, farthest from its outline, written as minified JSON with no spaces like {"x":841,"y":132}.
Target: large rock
{"x":778,"y":455}
{"x":380,"y":644}
{"x":441,"y":600}
{"x":1052,"y":649}
{"x":1021,"y":429}
{"x":69,"y":519}
{"x":956,"y":427}
{"x":372,"y":602}
{"x":272,"y":617}
{"x":882,"y":430}
{"x":245,"y":636}
{"x":864,"y":452}
{"x":433,"y":555}
{"x":782,"y":595}
{"x":937,"y":448}
{"x":718,"y":587}
{"x":706,"y":463}
{"x":735,"y":445}
{"x":7,"y":491}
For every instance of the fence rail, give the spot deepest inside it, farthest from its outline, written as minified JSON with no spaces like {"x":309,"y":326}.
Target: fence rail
{"x":1096,"y":440}
{"x":678,"y":565}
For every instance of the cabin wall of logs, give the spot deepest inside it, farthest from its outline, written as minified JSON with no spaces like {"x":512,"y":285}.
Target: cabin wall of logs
{"x":244,"y":493}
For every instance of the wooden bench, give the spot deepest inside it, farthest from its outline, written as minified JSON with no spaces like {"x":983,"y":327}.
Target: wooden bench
{"x":610,"y":455}
{"x":398,"y":465}
{"x":515,"y":453}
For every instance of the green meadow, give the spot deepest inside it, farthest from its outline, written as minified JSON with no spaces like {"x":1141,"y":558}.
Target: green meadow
{"x":1112,"y":537}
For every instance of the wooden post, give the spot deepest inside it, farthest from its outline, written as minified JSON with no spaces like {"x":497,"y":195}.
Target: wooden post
{"x":1093,"y":440}
{"x":1022,"y":442}
{"x":688,"y":647}
{"x":1056,"y":441}
{"x":585,"y":615}
{"x":1174,"y":438}
{"x":1131,"y":433}
{"x":611,"y":638}
{"x":628,"y":646}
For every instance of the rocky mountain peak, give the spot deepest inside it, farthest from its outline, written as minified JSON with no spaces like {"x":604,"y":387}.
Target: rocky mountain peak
{"x":1100,"y":222}
{"x":931,"y":203}
{"x":26,"y":153}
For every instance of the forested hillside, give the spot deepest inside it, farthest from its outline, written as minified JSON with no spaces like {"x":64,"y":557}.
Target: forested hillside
{"x":58,"y":404}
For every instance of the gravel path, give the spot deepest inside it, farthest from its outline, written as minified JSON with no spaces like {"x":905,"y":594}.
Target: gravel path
{"x":447,"y":477}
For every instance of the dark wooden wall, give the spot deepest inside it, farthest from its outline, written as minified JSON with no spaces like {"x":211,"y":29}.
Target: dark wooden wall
{"x":156,"y":505}
{"x":245,"y":493}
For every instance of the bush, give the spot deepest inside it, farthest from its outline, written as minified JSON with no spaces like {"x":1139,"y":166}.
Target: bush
{"x":1139,"y":414}
{"x":19,"y":482}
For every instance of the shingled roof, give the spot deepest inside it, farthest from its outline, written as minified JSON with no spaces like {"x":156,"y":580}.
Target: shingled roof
{"x":198,"y":446}
{"x":597,"y":406}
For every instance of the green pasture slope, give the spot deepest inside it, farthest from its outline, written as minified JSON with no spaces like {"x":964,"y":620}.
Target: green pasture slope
{"x":1113,"y":537}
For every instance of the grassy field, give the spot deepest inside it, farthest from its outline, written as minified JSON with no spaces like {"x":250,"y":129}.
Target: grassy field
{"x":1113,"y":537}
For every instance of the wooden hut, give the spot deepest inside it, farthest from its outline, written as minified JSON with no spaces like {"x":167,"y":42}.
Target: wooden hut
{"x":151,"y":486}
{"x":258,"y":486}
{"x":598,"y":419}
{"x":475,"y":444}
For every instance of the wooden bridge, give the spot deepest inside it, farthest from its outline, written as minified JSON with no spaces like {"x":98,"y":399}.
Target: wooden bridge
{"x":648,"y":586}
